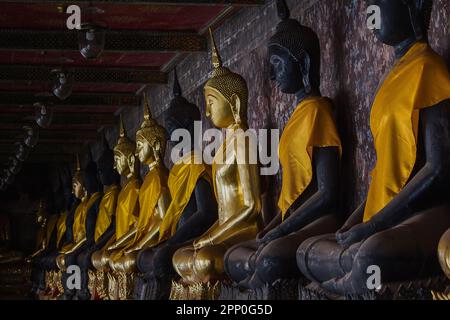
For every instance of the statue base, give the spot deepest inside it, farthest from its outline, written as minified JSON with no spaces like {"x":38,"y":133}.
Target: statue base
{"x":125,"y":285}
{"x":197,"y":291}
{"x":423,"y":289}
{"x":15,"y":280}
{"x":152,"y":288}
{"x":284,"y":289}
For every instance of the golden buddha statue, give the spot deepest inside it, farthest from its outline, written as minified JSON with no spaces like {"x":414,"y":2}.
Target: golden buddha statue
{"x":46,"y":226}
{"x":154,"y":199}
{"x":87,"y":188}
{"x":236,"y":184}
{"x":127,"y":210}
{"x":192,"y":211}
{"x":45,"y":242}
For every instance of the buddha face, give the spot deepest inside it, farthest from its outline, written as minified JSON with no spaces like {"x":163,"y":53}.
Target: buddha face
{"x":144,"y":151}
{"x":40,"y":219}
{"x":121,"y":164}
{"x":218,"y":109}
{"x":395,"y":21}
{"x":77,"y":189}
{"x":285,"y":70}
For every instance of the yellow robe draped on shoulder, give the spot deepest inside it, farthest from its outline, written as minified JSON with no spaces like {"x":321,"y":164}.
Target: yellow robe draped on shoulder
{"x":418,"y":80}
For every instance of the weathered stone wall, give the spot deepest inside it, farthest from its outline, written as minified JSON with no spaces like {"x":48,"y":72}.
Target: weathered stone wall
{"x":353,"y":62}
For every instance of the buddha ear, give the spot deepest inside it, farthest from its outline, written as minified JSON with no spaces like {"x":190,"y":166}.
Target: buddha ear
{"x":131,"y":162}
{"x":305,"y":68}
{"x":236,"y":108}
{"x":157,"y":149}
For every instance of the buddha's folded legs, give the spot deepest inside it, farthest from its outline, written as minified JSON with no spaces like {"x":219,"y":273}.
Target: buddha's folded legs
{"x":157,"y":262}
{"x":99,"y":260}
{"x":49,"y":261}
{"x":123,"y":262}
{"x":335,"y":261}
{"x":38,"y":273}
{"x":203,"y":265}
{"x":404,"y":252}
{"x":84,"y":262}
{"x":67,"y":260}
{"x":278,"y":258}
{"x":240,"y":260}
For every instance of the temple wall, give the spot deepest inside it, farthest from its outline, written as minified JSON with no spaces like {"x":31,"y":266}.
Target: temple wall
{"x":353,"y":62}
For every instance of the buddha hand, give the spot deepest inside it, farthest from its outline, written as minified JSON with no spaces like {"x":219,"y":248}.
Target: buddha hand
{"x":273,"y":234}
{"x":356,"y":234}
{"x":201,"y":243}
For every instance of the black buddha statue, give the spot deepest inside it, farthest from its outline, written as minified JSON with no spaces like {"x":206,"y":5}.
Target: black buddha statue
{"x":308,"y":199}
{"x":398,"y":227}
{"x":65,"y":205}
{"x":192,"y":211}
{"x":85,"y":219}
{"x":104,"y":227}
{"x":46,"y":219}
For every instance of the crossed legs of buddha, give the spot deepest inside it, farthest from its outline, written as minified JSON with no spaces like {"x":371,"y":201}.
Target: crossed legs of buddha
{"x":156,"y":271}
{"x":403,"y":253}
{"x":85,"y":264}
{"x":253,"y":267}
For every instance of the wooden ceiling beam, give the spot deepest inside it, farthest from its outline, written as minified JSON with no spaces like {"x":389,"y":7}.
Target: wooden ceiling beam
{"x":83,"y":74}
{"x":115,"y":40}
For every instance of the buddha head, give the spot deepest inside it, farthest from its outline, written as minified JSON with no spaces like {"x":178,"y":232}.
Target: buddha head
{"x":67,"y":188}
{"x":181,"y":113}
{"x":106,"y":173}
{"x":124,"y":158}
{"x":41,"y":214}
{"x":90,"y":175}
{"x":78,"y":189}
{"x":226,"y":94}
{"x":294,"y":55}
{"x":150,"y":138}
{"x":402,"y":20}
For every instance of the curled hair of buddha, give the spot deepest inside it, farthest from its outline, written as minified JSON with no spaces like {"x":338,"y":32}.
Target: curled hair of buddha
{"x":124,"y":145}
{"x":181,"y":114}
{"x":226,"y":82}
{"x":297,"y":40}
{"x":41,"y":212}
{"x":78,"y":174}
{"x":150,"y":130}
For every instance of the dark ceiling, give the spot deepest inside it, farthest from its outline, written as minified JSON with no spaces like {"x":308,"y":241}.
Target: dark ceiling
{"x":144,"y":41}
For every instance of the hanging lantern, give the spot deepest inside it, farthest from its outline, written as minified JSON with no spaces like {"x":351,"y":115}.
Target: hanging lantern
{"x":8,"y":177}
{"x":31,"y":137}
{"x":43,"y":115}
{"x":62,"y":88}
{"x":22,"y":151}
{"x":15,"y":165}
{"x":91,"y":40}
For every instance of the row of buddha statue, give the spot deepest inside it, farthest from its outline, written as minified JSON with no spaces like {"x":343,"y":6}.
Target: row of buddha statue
{"x":199,"y":225}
